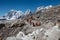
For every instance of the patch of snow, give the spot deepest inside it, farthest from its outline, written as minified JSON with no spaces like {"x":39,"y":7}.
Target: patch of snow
{"x":20,"y":35}
{"x":42,"y":8}
{"x":39,"y":8}
{"x":28,"y":12}
{"x":30,"y":36}
{"x":11,"y":38}
{"x":53,"y":34}
{"x":47,"y":7}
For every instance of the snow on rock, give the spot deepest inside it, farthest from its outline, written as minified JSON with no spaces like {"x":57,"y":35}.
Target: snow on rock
{"x":31,"y":36}
{"x":43,"y":8}
{"x":20,"y":35}
{"x":40,"y":34}
{"x":2,"y":18}
{"x":27,"y":12}
{"x":39,"y":8}
{"x":19,"y":13}
{"x":11,"y":38}
{"x":47,"y":7}
{"x":14,"y":14}
{"x":53,"y":34}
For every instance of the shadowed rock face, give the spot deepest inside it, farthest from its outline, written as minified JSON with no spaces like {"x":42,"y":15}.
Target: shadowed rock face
{"x":21,"y":24}
{"x":0,"y":37}
{"x":59,"y":39}
{"x":2,"y":25}
{"x":12,"y":29}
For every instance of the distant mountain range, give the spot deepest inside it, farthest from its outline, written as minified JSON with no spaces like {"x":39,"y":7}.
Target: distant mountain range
{"x":14,"y":14}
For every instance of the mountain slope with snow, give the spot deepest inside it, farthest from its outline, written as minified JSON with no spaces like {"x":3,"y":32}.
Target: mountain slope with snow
{"x":43,"y":8}
{"x":15,"y":14}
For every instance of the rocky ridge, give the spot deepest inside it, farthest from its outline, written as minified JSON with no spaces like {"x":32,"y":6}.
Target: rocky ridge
{"x":39,"y":26}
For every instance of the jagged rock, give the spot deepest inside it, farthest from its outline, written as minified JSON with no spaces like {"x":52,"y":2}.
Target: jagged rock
{"x":0,"y":37}
{"x":31,"y":36}
{"x":36,"y":23}
{"x":20,"y":35}
{"x":20,"y":24}
{"x":2,"y":25}
{"x":53,"y":34}
{"x":11,"y":38}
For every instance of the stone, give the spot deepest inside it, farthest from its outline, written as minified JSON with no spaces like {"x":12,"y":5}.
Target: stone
{"x":11,"y":38}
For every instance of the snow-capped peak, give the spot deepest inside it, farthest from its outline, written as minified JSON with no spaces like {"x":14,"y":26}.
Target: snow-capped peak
{"x":39,"y":8}
{"x":19,"y":13}
{"x":14,"y":14}
{"x":27,"y":12}
{"x":42,"y":7}
{"x":48,"y":6}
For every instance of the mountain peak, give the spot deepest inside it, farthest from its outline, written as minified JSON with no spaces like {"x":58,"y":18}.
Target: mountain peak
{"x":43,"y":7}
{"x":48,"y":6}
{"x":27,"y":12}
{"x":15,"y":14}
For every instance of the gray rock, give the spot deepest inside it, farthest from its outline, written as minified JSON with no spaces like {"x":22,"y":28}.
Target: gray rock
{"x":11,"y":38}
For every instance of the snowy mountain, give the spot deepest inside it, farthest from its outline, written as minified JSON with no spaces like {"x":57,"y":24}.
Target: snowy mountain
{"x":47,"y":7}
{"x":2,"y":18}
{"x":43,"y":8}
{"x":14,"y":14}
{"x":27,"y":12}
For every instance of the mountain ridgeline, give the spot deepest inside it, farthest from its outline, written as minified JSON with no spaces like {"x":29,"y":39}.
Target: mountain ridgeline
{"x":38,"y":25}
{"x":14,"y":14}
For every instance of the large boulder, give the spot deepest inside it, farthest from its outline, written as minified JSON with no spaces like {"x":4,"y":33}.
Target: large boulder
{"x":2,"y":25}
{"x":11,"y":38}
{"x":18,"y":24}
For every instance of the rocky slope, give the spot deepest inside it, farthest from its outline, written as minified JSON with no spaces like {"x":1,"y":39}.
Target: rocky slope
{"x":41,"y":25}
